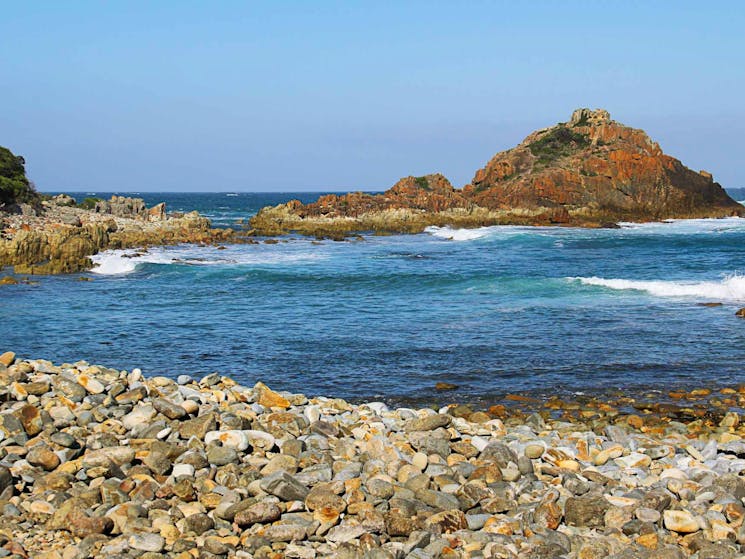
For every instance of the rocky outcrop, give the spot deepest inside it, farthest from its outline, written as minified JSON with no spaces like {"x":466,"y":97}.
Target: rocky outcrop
{"x":133,"y":208}
{"x":596,"y":168}
{"x":54,"y":250}
{"x":588,"y":171}
{"x":63,"y":237}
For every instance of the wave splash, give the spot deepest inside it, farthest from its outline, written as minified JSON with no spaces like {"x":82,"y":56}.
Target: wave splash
{"x":120,"y":262}
{"x":450,"y":234}
{"x":731,"y":288}
{"x":686,"y":226}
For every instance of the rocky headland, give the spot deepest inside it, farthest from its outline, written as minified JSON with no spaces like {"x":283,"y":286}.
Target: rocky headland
{"x":98,"y":462}
{"x":52,"y":235}
{"x":590,"y":171}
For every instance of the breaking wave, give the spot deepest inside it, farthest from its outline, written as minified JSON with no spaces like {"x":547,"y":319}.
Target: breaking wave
{"x":731,"y":288}
{"x":687,"y":226}
{"x":119,"y":262}
{"x":451,"y":234}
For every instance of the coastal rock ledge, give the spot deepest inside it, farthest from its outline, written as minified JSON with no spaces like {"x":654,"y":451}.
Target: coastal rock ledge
{"x":589,"y":171}
{"x":97,"y":462}
{"x":43,"y":234}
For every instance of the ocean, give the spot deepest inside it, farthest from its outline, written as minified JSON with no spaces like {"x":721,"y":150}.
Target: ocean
{"x":494,"y":310}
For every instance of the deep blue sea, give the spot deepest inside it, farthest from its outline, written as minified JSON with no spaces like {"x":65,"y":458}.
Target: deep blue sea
{"x":493,"y":310}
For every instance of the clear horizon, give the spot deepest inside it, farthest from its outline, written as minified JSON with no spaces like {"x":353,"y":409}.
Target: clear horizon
{"x":236,"y":97}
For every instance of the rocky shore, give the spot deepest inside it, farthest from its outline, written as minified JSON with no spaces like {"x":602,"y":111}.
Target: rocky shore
{"x":590,"y":171}
{"x":96,"y":462}
{"x":58,"y":236}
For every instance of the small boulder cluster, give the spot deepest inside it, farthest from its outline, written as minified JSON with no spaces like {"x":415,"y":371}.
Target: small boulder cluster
{"x":96,"y":462}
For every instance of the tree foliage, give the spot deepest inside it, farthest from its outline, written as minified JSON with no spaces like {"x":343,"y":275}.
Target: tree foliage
{"x":15,"y":187}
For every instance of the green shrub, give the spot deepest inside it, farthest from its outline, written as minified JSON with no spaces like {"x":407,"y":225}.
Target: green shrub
{"x":89,"y":203}
{"x":557,"y":143}
{"x":15,"y":187}
{"x":422,"y":182}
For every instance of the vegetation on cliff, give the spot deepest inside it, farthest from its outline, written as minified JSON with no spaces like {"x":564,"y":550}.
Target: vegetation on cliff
{"x":15,"y":188}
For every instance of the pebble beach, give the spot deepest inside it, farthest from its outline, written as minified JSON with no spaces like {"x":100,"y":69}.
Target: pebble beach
{"x":98,"y":462}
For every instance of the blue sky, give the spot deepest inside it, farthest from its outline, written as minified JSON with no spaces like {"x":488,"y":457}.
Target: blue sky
{"x":277,"y":96}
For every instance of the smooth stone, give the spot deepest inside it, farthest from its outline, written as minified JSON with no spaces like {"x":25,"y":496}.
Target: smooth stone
{"x":91,"y":384}
{"x":534,"y":451}
{"x":119,"y":455}
{"x":180,"y":470}
{"x":647,"y":515}
{"x":198,"y":523}
{"x":258,"y":513}
{"x":429,"y":423}
{"x":284,"y":486}
{"x":234,"y":438}
{"x":634,"y":460}
{"x":602,"y":457}
{"x":43,"y":457}
{"x":260,"y":439}
{"x":680,"y":521}
{"x":221,"y":455}
{"x":169,"y":409}
{"x":341,"y":534}
{"x":419,"y":461}
{"x":64,"y":439}
{"x":146,"y":542}
{"x":7,"y":358}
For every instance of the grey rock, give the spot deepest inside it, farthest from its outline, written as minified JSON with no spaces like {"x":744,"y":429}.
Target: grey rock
{"x":284,"y":486}
{"x":500,"y":453}
{"x":438,"y":499}
{"x":221,"y":455}
{"x":146,"y":542}
{"x":169,"y":409}
{"x":198,"y":523}
{"x":586,"y":511}
{"x":429,"y":423}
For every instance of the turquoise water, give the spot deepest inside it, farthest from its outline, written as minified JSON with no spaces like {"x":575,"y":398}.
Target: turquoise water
{"x":493,"y":310}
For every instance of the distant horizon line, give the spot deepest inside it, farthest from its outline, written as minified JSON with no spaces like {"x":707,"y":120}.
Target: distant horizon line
{"x":329,"y":191}
{"x":64,"y":191}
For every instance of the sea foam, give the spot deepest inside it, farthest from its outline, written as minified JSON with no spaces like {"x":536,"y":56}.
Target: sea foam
{"x":687,"y":226}
{"x":731,"y":288}
{"x":451,"y":234}
{"x":119,"y":262}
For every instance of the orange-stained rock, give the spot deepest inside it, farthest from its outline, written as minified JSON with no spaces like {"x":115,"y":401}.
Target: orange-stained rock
{"x":649,"y":541}
{"x":589,"y":171}
{"x":635,"y":421}
{"x":7,"y":358}
{"x":269,"y":398}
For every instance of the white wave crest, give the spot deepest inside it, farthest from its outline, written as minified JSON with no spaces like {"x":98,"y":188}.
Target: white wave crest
{"x":731,"y":288}
{"x":451,"y":234}
{"x":687,"y":226}
{"x":118,"y":262}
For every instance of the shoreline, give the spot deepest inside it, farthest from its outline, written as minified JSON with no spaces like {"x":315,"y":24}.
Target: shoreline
{"x":44,"y":245}
{"x":100,"y":462}
{"x":283,"y":220}
{"x":61,"y":237}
